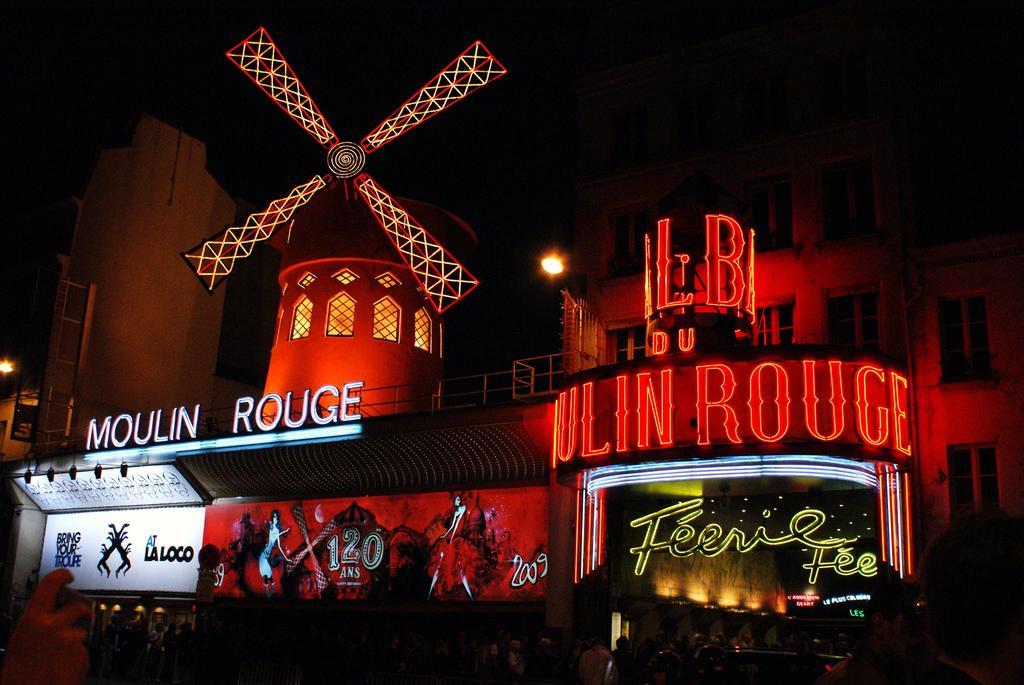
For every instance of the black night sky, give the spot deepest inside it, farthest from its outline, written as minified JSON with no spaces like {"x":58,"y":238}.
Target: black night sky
{"x":77,"y":77}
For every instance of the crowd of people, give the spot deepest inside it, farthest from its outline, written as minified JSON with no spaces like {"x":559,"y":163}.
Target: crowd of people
{"x":972,"y":596}
{"x":131,"y":650}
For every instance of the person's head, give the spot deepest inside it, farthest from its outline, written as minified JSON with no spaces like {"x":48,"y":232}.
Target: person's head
{"x":664,"y":666}
{"x":973,"y":588}
{"x":458,"y":500}
{"x":889,"y":613}
{"x":275,"y":518}
{"x":622,"y":643}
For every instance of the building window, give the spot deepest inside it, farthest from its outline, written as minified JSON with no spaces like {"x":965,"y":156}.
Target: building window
{"x":771,"y":213}
{"x":775,"y":325}
{"x":388,"y":280}
{"x":843,"y":84}
{"x":973,"y":481}
{"x":345,"y":276}
{"x":853,"y":321}
{"x":387,"y":318}
{"x":341,"y":315}
{"x":628,"y":231}
{"x":963,"y":328}
{"x":421,"y":330}
{"x":302,"y":317}
{"x":629,"y":137}
{"x":693,"y":122}
{"x":848,"y":198}
{"x":630,"y":343}
{"x":765,"y":103}
{"x":306,"y":280}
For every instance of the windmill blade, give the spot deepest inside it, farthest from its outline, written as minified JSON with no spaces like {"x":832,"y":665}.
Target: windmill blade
{"x":263,"y":62}
{"x":213,"y":259}
{"x":443,"y":279}
{"x":474,"y":68}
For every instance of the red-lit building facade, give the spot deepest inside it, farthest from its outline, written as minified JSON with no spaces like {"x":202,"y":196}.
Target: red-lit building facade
{"x":799,"y":129}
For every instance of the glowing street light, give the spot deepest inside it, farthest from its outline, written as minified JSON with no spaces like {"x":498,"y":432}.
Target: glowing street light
{"x":6,"y":366}
{"x":552,"y":264}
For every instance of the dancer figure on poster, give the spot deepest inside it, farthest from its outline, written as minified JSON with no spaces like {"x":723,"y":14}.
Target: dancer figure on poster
{"x":267,"y":560}
{"x":453,"y":555}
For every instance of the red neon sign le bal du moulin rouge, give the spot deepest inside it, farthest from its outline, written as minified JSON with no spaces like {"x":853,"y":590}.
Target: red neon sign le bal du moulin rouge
{"x":725,"y":398}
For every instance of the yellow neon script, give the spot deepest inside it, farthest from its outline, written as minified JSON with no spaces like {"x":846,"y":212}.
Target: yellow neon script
{"x":712,"y":540}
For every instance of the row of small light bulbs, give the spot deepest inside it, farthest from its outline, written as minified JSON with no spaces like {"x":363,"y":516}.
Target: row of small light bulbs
{"x":51,"y":473}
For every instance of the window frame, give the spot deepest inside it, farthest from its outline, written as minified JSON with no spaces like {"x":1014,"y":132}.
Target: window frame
{"x":851,"y":227}
{"x":766,"y":241}
{"x":294,"y":319}
{"x":969,"y":373}
{"x":398,"y":323}
{"x":976,"y":504}
{"x":775,"y":328}
{"x":637,"y":341}
{"x":327,"y":320}
{"x":422,"y":311}
{"x":629,"y":264}
{"x":858,"y":317}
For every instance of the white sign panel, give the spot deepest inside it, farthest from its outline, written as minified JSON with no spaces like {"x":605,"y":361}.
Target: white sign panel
{"x":155,"y":485}
{"x":126,"y":550}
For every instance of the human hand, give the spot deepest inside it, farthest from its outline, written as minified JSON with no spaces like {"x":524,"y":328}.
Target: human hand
{"x":47,"y":647}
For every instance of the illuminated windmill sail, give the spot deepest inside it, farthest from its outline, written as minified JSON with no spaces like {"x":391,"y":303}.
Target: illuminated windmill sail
{"x":443,"y":279}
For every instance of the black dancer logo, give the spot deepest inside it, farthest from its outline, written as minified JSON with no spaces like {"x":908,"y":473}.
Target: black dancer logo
{"x":116,"y":538}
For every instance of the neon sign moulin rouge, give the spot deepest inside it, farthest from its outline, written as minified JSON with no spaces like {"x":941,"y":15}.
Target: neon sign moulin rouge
{"x":325,"y":406}
{"x":731,"y":403}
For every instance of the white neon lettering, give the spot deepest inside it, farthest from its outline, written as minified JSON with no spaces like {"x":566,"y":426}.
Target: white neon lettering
{"x":347,"y":400}
{"x":184,"y":420}
{"x":288,"y":410}
{"x":243,"y":417}
{"x":332,"y":409}
{"x":261,"y":407}
{"x":113,"y":431}
{"x":158,"y":419}
{"x":149,"y":431}
{"x":97,"y":437}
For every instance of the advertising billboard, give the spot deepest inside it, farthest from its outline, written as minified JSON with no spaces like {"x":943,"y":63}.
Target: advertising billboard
{"x":473,"y":545}
{"x":126,"y":550}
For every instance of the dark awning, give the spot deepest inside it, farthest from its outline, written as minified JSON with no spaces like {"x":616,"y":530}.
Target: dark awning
{"x":384,"y":459}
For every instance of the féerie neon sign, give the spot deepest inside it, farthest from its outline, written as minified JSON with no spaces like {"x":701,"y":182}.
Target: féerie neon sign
{"x":326,"y":406}
{"x":684,"y":540}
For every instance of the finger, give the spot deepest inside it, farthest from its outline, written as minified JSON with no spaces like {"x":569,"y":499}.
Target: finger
{"x":45,"y":597}
{"x":70,"y":614}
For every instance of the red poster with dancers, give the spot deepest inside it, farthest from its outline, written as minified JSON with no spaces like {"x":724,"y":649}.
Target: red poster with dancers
{"x":473,"y":545}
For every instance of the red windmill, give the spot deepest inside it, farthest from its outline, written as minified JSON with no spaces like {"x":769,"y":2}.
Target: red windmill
{"x":342,"y":278}
{"x":442,"y":278}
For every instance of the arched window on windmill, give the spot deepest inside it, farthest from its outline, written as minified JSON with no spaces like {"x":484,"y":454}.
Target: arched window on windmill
{"x":387,"y":319}
{"x":421,"y":329}
{"x":341,"y":316}
{"x":302,"y":319}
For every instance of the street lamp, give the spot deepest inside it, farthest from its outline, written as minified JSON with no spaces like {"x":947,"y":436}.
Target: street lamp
{"x":552,"y":264}
{"x":6,"y":366}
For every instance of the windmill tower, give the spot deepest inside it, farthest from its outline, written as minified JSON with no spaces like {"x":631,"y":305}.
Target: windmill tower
{"x":363,"y":284}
